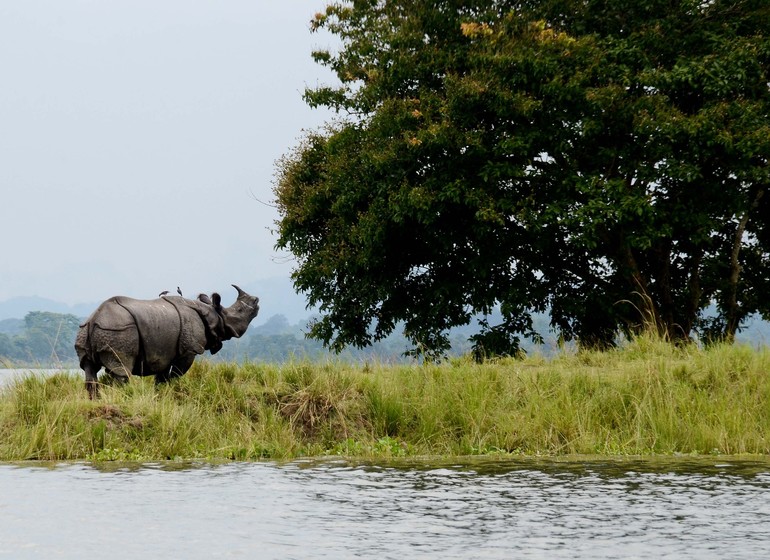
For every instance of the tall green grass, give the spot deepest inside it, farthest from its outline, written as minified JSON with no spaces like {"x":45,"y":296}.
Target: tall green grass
{"x":644,"y":399}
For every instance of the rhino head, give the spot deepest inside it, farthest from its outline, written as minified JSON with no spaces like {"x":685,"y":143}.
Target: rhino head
{"x":238,"y":316}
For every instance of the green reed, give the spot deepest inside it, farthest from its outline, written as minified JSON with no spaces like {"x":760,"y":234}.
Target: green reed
{"x":646,"y":398}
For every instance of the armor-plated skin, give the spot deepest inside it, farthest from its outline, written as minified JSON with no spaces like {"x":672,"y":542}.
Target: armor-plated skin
{"x":159,"y":337}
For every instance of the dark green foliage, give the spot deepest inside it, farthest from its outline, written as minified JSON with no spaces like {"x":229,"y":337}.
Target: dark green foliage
{"x":605,"y":160}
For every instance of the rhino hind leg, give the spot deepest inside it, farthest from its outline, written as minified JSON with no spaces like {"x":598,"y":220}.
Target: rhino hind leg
{"x":178,"y":368}
{"x":92,"y":385}
{"x":118,"y":366}
{"x":88,"y":362}
{"x":117,"y":371}
{"x":109,"y":378}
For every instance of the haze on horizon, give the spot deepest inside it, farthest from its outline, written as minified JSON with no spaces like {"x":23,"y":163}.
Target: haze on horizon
{"x":139,"y":140}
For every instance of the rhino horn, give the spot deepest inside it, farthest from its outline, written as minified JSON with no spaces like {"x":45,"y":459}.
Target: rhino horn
{"x":240,"y":292}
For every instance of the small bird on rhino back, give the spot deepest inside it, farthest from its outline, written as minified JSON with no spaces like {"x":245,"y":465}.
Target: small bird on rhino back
{"x":159,"y":337}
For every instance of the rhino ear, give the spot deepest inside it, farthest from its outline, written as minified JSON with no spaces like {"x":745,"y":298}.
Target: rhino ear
{"x":204,"y":298}
{"x":216,"y":298}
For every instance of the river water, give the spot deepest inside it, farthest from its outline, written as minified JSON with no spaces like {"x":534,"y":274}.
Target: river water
{"x":679,"y":508}
{"x":8,"y":375}
{"x":475,"y":508}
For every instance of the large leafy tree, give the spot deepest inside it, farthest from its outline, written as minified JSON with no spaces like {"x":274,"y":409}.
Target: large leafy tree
{"x":604,"y":160}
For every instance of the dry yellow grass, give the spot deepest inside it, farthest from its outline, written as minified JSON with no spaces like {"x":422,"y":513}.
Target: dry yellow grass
{"x":647,"y":398}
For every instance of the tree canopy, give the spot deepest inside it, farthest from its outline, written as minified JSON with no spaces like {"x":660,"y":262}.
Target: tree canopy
{"x":605,"y":161}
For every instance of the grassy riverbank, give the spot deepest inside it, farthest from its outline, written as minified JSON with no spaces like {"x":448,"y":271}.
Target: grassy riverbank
{"x":647,"y":398}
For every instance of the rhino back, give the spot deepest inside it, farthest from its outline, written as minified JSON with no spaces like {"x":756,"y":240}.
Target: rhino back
{"x":165,"y":329}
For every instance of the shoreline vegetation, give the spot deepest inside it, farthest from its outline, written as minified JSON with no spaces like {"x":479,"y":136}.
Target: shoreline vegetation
{"x":647,"y":398}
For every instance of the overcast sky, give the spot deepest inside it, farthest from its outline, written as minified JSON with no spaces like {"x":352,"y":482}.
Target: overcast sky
{"x":138,"y":137}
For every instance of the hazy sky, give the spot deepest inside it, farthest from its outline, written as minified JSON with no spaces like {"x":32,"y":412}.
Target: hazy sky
{"x":136,"y":137}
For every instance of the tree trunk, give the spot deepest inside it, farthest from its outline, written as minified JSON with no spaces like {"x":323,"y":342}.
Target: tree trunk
{"x":695,"y":291}
{"x":662,"y":255}
{"x":650,"y":317}
{"x":733,"y":314}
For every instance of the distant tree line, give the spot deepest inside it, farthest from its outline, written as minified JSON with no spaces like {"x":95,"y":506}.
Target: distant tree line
{"x":278,"y":341}
{"x":42,"y":338}
{"x":47,"y":339}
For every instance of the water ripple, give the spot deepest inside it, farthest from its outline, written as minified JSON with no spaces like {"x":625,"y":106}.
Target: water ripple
{"x":480,"y":509}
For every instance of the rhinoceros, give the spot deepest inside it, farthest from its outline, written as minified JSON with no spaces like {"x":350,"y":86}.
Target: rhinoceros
{"x":159,"y":337}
